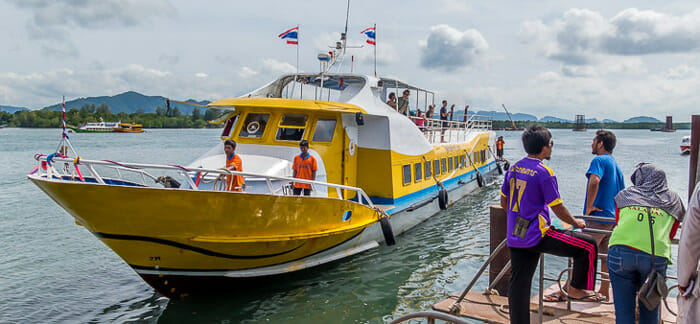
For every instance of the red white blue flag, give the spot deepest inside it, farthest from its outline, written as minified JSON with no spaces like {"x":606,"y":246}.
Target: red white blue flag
{"x":291,"y":36}
{"x":371,"y":36}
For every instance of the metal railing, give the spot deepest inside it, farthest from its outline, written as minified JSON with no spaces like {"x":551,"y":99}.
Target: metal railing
{"x":455,"y":307}
{"x":47,"y":169}
{"x":450,"y":131}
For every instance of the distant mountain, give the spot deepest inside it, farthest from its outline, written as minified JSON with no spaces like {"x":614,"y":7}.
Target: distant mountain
{"x":12,"y":109}
{"x":497,"y":115}
{"x":128,"y":102}
{"x":642,"y":119}
{"x":608,"y":121}
{"x":554,"y":119}
{"x":591,"y":120}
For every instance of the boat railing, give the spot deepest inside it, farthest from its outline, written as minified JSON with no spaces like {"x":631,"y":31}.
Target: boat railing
{"x":450,"y":131}
{"x":455,"y":308}
{"x":71,"y":172}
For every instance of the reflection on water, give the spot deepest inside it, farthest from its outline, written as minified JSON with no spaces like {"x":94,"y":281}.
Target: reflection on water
{"x":54,"y":271}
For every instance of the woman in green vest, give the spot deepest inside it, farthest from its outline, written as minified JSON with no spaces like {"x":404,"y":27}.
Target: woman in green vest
{"x":629,"y":256}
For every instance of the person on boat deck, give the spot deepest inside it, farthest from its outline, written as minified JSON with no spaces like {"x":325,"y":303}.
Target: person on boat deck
{"x":443,"y":116}
{"x":304,"y":168}
{"x":392,"y":100}
{"x":403,"y":103}
{"x":420,"y":119}
{"x":233,"y":163}
{"x":430,"y":114}
{"x":688,"y":263}
{"x":529,"y":191}
{"x":605,"y":180}
{"x":629,"y":258}
{"x":499,"y":147}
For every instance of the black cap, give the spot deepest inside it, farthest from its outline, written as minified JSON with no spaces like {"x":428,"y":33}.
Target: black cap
{"x":304,"y":143}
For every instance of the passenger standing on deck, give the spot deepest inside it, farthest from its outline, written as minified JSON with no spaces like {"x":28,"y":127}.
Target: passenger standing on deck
{"x":403,"y":103}
{"x":304,"y":168}
{"x":605,"y":180}
{"x":392,"y":100}
{"x":443,"y":116}
{"x":688,"y":257}
{"x":499,"y":147}
{"x":629,"y":258}
{"x":233,"y":163}
{"x":420,"y":119}
{"x":529,"y":190}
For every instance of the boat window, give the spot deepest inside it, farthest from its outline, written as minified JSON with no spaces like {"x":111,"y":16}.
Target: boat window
{"x":475,"y":156}
{"x":436,"y":167}
{"x":324,"y":130}
{"x":449,"y":164}
{"x":461,"y":161}
{"x":456,"y":162}
{"x":406,"y":174}
{"x":291,"y":127}
{"x":483,"y":156}
{"x":229,"y":126}
{"x":428,"y":170}
{"x":418,"y":172}
{"x":444,"y":165}
{"x":254,"y":125}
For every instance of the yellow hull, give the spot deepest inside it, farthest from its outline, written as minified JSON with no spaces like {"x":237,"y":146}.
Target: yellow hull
{"x":186,"y":230}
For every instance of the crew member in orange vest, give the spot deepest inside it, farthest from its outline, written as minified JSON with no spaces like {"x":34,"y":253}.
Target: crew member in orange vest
{"x":499,"y":147}
{"x":304,"y":168}
{"x":233,"y":163}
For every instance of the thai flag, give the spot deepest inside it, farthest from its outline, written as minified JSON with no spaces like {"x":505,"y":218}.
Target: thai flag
{"x":371,"y":36}
{"x":291,"y":36}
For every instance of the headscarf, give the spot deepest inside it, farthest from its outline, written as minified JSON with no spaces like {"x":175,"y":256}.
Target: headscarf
{"x":650,"y":189}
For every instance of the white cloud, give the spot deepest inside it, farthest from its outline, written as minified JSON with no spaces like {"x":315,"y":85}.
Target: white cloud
{"x":201,"y":75}
{"x":581,"y":36}
{"x":449,"y":49}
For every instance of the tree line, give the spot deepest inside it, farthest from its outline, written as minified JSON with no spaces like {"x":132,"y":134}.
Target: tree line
{"x":90,"y":113}
{"x":569,"y":125}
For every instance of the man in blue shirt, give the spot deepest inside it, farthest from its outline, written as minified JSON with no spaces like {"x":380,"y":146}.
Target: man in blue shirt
{"x":605,"y":180}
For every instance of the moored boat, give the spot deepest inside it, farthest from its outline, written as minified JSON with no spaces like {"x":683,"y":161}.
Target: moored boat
{"x":685,"y":145}
{"x":379,"y":174}
{"x":101,"y":127}
{"x":128,"y":128}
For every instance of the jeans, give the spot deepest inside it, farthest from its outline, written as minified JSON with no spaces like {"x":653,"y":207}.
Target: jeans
{"x":628,"y":269}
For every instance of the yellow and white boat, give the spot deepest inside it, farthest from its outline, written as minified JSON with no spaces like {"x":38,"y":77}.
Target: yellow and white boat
{"x":378,"y":176}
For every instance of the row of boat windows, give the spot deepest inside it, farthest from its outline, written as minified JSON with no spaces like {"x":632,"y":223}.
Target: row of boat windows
{"x":436,"y":167}
{"x":291,"y":127}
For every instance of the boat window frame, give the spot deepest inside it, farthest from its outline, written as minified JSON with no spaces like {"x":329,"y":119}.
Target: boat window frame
{"x":428,"y":169}
{"x":404,"y":168}
{"x":234,"y":126}
{"x":316,"y":121}
{"x":483,"y":156}
{"x":450,"y":164}
{"x":456,"y":162}
{"x":443,"y":165}
{"x":461,"y":161}
{"x":417,"y":172}
{"x":436,"y":167}
{"x":280,"y":126}
{"x":264,"y":128}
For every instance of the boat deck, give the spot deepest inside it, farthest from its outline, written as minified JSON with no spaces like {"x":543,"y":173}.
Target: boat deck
{"x":494,"y":309}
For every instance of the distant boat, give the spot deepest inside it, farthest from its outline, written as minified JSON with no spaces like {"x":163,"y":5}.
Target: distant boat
{"x":3,"y":125}
{"x":108,"y":127}
{"x":685,"y":145}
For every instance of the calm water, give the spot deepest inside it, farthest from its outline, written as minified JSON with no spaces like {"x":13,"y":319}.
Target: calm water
{"x":54,"y":271}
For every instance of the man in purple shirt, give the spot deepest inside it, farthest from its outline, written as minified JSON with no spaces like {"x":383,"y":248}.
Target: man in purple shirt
{"x":529,"y":190}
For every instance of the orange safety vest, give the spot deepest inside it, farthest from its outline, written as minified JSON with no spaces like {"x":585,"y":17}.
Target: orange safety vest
{"x":304,"y":167}
{"x":235,"y":182}
{"x":499,"y":144}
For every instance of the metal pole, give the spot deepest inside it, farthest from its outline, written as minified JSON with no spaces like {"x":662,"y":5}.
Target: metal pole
{"x":375,"y":50}
{"x":541,"y":297}
{"x":455,"y":306}
{"x":694,"y":175}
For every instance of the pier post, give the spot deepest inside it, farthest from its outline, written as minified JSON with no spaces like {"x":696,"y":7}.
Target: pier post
{"x":498,"y":234}
{"x":694,"y":175}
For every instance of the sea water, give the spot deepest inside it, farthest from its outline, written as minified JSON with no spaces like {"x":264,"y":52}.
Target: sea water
{"x":52,"y":270}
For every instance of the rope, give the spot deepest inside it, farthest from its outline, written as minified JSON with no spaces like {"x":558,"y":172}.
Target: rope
{"x":180,"y":167}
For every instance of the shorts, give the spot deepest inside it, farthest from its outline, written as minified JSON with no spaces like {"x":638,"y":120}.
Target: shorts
{"x":602,"y":240}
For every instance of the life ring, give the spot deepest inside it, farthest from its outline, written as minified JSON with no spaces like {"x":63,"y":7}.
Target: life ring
{"x":253,"y":127}
{"x":351,"y":147}
{"x":443,"y":199}
{"x":479,"y":180}
{"x":386,"y":230}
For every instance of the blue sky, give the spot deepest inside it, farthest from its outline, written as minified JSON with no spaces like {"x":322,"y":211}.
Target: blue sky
{"x":604,"y":59}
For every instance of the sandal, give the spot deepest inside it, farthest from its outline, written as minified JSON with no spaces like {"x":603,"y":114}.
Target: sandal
{"x":554,"y":297}
{"x":593,"y":298}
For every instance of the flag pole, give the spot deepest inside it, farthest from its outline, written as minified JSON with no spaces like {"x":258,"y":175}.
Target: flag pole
{"x":375,"y":50}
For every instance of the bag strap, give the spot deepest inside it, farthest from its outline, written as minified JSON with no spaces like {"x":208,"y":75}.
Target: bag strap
{"x":651,"y":235}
